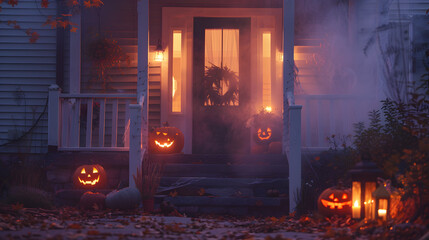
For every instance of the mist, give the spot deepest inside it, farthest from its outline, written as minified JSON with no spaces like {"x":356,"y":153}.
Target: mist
{"x":339,"y":78}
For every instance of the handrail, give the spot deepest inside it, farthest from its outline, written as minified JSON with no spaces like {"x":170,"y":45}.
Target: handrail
{"x":331,"y":96}
{"x":97,"y":95}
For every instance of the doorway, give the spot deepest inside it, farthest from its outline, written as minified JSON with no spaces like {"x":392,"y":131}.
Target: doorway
{"x":221,"y":85}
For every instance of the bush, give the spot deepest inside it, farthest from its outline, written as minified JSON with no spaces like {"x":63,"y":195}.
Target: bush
{"x":29,"y":197}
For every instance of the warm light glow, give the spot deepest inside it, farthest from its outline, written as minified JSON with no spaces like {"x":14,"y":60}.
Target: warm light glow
{"x":83,"y":171}
{"x":94,"y":170}
{"x":165,"y":145}
{"x":221,"y":49}
{"x":382,"y":208}
{"x":356,"y":204}
{"x":356,"y":198}
{"x":268,"y":108}
{"x":382,"y":212}
{"x":176,"y":81}
{"x":370,"y":206}
{"x":159,"y":56}
{"x":266,"y":69}
{"x":89,"y":182}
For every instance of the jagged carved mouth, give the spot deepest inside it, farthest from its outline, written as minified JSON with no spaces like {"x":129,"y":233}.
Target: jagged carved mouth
{"x":89,"y":182}
{"x":165,"y":145}
{"x":338,"y":205}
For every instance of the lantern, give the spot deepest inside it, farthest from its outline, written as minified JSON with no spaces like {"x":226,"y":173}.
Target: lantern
{"x":382,"y":203}
{"x":89,"y":177}
{"x":159,"y":53}
{"x":364,"y":177}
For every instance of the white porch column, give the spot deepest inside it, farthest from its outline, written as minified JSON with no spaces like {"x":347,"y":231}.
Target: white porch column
{"x":142,"y":65}
{"x":139,"y":112}
{"x":135,"y":142}
{"x":291,"y":145}
{"x":294,"y":155}
{"x":75,"y":54}
{"x":53,"y":117}
{"x":288,"y":68}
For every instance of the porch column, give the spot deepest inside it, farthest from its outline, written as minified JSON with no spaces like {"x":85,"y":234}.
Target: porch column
{"x":142,"y":65}
{"x":135,"y":152}
{"x":53,"y":117}
{"x":291,"y":145}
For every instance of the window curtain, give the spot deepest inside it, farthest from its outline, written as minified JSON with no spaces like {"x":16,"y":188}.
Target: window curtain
{"x":222,"y":50}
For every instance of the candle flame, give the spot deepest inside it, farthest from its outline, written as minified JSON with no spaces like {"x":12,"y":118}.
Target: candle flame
{"x":382,"y":211}
{"x":356,"y":204}
{"x":268,"y":108}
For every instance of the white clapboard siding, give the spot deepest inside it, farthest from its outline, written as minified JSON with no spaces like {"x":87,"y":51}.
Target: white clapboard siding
{"x":26,"y":71}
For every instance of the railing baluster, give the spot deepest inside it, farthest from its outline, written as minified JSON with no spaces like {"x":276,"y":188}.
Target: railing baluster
{"x":65,"y":125}
{"x":75,"y":123}
{"x":114,"y":122}
{"x":126,"y":122}
{"x":101,"y":122}
{"x":89,"y":111}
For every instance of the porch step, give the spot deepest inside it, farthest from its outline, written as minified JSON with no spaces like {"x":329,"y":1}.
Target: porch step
{"x":225,"y":184}
{"x":235,"y":159}
{"x":236,"y":206}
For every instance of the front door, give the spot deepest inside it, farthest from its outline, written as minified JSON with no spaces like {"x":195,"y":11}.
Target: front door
{"x":221,"y":85}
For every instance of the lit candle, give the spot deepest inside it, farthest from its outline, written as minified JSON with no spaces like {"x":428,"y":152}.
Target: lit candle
{"x":382,"y":213}
{"x":356,"y":210}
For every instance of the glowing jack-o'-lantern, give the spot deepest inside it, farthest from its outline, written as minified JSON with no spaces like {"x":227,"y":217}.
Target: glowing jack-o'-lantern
{"x":166,"y":140}
{"x":89,"y":176}
{"x":335,"y":201}
{"x":264,"y":134}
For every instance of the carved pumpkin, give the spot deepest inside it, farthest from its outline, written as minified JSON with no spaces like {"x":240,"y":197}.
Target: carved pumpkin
{"x":264,"y":133}
{"x":335,"y":201}
{"x":166,"y":140}
{"x":89,"y":177}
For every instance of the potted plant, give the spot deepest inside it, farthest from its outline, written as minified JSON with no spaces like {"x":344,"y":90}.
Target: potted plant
{"x":147,"y":180}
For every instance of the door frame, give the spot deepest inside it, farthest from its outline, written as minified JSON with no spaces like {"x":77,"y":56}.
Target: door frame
{"x":182,"y":18}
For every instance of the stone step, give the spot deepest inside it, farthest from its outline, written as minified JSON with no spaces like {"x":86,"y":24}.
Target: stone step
{"x":225,"y":170}
{"x":235,"y":159}
{"x":237,"y":206}
{"x":226,"y":187}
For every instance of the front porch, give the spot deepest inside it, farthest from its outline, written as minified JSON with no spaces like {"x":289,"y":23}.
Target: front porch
{"x":87,"y":125}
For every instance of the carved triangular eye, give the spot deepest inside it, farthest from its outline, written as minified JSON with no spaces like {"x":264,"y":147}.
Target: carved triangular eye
{"x":157,"y":133}
{"x":94,"y":170}
{"x":83,"y":171}
{"x":331,"y":196}
{"x":268,"y":130}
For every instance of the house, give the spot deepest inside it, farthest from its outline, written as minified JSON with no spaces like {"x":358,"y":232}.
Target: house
{"x":88,"y":108}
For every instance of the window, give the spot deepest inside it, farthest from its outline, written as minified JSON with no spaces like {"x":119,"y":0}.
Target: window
{"x":222,"y":50}
{"x":176,"y":81}
{"x":266,"y":70}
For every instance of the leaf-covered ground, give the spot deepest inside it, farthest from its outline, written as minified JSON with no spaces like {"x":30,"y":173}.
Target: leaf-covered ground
{"x":71,"y":223}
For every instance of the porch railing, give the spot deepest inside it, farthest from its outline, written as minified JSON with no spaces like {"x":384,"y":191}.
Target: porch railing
{"x":91,"y":121}
{"x":325,"y":115}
